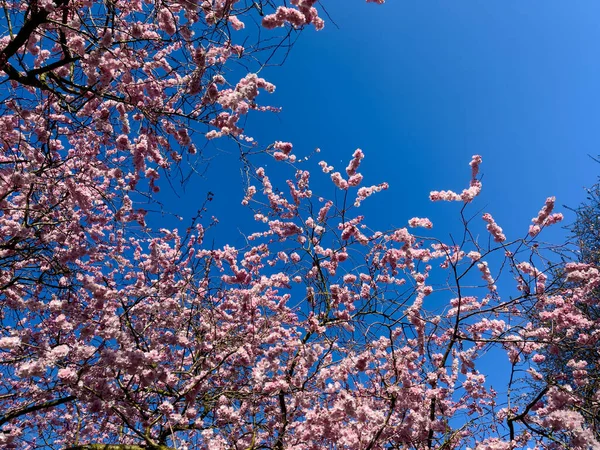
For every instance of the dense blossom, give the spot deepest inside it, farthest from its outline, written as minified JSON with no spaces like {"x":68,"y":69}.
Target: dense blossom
{"x":320,"y":332}
{"x":229,"y":352}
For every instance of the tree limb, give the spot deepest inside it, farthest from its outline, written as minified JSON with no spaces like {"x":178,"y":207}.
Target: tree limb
{"x":40,"y":406}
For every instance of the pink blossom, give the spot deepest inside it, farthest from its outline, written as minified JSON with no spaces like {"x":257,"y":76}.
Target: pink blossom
{"x":67,"y":375}
{"x":285,"y":147}
{"x":494,"y":228}
{"x":166,"y":21}
{"x":545,"y":217}
{"x":236,"y":23}
{"x":357,"y":157}
{"x":339,"y":181}
{"x":136,"y":331}
{"x":349,"y":278}
{"x":10,"y":342}
{"x":448,"y":196}
{"x":467,"y":195}
{"x":322,"y":217}
{"x":365,"y":192}
{"x":475,"y":162}
{"x":544,"y":212}
{"x":325,"y":167}
{"x":420,"y":222}
{"x":355,"y":179}
{"x":487,"y":275}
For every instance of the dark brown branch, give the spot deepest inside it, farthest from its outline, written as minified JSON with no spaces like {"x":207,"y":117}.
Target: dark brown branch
{"x":36,"y":19}
{"x":279,"y":443}
{"x":27,"y":80}
{"x":40,"y":406}
{"x":54,"y":65}
{"x":521,"y":416}
{"x":117,"y":447}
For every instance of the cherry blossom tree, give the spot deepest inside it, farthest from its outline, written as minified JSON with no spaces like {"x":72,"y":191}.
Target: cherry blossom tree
{"x":579,"y":356}
{"x":320,"y":333}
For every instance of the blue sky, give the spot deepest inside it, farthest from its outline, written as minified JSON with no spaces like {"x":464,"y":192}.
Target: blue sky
{"x":422,"y":86}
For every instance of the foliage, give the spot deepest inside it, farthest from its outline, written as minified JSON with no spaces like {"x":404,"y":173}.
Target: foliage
{"x":320,"y":333}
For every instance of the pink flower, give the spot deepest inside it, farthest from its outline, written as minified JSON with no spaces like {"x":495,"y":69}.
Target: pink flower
{"x":467,"y":195}
{"x":67,"y":375}
{"x":325,"y":167}
{"x":9,"y":343}
{"x":487,"y":275}
{"x":284,"y":147}
{"x":355,"y":180}
{"x":349,"y":278}
{"x":475,"y":162}
{"x":357,"y":157}
{"x":236,"y":23}
{"x":166,"y":21}
{"x":494,"y":228}
{"x":544,"y":212}
{"x":420,"y":222}
{"x":538,"y":358}
{"x":322,"y":217}
{"x":339,"y":181}
{"x":448,"y":196}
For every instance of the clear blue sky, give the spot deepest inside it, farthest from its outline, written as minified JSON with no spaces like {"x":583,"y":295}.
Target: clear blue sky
{"x":421,"y":86}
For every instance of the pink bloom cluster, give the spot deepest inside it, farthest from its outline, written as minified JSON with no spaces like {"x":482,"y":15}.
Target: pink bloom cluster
{"x":317,"y":332}
{"x":487,"y":276}
{"x":467,"y":195}
{"x":545,"y":217}
{"x":325,"y":168}
{"x":420,"y":222}
{"x":304,"y":14}
{"x":284,"y":151}
{"x":494,"y":229}
{"x":365,"y":192}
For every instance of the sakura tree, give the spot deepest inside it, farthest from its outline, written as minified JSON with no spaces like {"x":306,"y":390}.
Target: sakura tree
{"x":570,"y":350}
{"x":319,"y":333}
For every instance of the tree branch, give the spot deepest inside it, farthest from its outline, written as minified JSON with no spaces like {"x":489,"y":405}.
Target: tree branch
{"x":117,"y":447}
{"x":40,"y":406}
{"x":35,"y":20}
